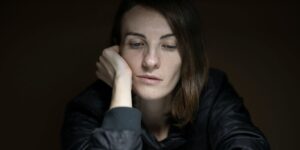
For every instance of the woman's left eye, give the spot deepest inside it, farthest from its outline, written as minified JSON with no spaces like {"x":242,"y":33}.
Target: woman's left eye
{"x":171,"y":47}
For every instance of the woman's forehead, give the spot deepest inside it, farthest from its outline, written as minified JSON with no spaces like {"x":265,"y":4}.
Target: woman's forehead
{"x":145,"y":21}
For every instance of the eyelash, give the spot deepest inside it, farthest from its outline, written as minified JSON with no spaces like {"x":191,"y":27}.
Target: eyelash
{"x":169,"y":47}
{"x":138,"y":45}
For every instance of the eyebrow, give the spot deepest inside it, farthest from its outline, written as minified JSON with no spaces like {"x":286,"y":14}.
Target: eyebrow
{"x":167,"y":35}
{"x":143,"y":36}
{"x":134,"y":34}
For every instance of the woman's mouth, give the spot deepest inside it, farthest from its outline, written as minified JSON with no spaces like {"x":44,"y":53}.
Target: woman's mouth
{"x":149,"y":79}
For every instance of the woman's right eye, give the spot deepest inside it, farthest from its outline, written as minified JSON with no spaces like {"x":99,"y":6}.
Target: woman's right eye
{"x":136,"y":45}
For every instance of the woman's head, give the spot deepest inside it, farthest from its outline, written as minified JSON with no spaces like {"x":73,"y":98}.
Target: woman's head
{"x":149,"y":47}
{"x":161,"y":39}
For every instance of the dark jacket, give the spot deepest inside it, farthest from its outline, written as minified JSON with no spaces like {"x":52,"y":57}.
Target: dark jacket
{"x":222,"y":123}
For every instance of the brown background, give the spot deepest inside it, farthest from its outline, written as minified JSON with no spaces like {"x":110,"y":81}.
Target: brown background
{"x":48,"y":52}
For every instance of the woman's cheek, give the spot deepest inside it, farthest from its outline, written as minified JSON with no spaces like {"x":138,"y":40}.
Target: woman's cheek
{"x":131,"y":59}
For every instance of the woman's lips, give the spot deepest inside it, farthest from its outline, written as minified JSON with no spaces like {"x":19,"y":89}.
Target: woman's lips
{"x":149,"y":79}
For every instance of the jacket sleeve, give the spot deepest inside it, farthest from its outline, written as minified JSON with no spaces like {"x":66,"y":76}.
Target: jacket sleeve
{"x":230,"y":126}
{"x":117,"y":129}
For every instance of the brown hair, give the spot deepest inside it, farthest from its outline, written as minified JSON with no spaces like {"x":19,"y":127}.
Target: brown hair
{"x":183,"y":19}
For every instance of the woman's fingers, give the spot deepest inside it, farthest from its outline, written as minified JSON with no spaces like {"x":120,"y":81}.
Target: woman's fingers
{"x":114,"y":70}
{"x":116,"y":48}
{"x":107,"y":66}
{"x":118,"y":63}
{"x":102,"y":74}
{"x":111,"y":66}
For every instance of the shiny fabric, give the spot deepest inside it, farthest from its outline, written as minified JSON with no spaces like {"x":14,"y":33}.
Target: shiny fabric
{"x":222,"y":123}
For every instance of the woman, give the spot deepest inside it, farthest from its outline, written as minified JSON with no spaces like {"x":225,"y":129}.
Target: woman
{"x":156,"y":91}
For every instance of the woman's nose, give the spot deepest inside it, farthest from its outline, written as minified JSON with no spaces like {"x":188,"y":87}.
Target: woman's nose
{"x":151,"y":60}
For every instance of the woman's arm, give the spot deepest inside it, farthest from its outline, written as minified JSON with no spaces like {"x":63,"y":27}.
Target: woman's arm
{"x":119,"y":127}
{"x":114,"y":71}
{"x":119,"y":130}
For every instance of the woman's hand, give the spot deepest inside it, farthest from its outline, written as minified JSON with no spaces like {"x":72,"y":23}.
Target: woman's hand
{"x":111,"y":65}
{"x":114,"y":71}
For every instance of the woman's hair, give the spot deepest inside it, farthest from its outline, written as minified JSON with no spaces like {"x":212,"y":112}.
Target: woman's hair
{"x":183,"y":20}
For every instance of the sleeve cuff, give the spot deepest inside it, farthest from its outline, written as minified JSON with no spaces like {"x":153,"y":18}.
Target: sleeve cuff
{"x":121,"y":118}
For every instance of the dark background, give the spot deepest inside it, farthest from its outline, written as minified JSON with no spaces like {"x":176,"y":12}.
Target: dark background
{"x":48,"y":52}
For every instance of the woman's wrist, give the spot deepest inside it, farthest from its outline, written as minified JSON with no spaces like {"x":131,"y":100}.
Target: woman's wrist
{"x":121,"y":96}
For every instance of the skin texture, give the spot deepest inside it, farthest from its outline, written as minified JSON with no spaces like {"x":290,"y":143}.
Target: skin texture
{"x":112,"y":69}
{"x":151,"y":51}
{"x":148,"y":48}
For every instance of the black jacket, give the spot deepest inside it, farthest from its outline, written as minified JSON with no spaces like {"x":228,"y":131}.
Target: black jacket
{"x":222,"y":123}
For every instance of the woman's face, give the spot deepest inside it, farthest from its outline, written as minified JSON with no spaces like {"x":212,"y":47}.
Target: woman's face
{"x":150,"y":48}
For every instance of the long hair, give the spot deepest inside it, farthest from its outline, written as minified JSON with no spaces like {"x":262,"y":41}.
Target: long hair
{"x":183,"y":20}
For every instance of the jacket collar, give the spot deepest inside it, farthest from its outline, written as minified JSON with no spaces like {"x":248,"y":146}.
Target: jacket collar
{"x":176,"y":138}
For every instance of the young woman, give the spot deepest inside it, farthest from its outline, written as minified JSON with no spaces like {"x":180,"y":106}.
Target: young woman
{"x":156,"y":91}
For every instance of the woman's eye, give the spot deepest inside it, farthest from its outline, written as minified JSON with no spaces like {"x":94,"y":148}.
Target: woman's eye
{"x":169,"y":47}
{"x":136,"y":45}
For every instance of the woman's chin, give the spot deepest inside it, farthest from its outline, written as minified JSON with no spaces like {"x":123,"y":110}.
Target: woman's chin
{"x":151,"y":93}
{"x":148,"y":95}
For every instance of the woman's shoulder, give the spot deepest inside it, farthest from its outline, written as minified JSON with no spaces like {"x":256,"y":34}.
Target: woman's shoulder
{"x":216,"y":80}
{"x":216,"y":87}
{"x":223,"y":115}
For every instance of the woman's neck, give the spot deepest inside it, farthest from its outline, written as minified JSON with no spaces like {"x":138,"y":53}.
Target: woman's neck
{"x":155,"y":116}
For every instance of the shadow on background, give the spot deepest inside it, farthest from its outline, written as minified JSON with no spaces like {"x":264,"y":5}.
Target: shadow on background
{"x":49,"y":49}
